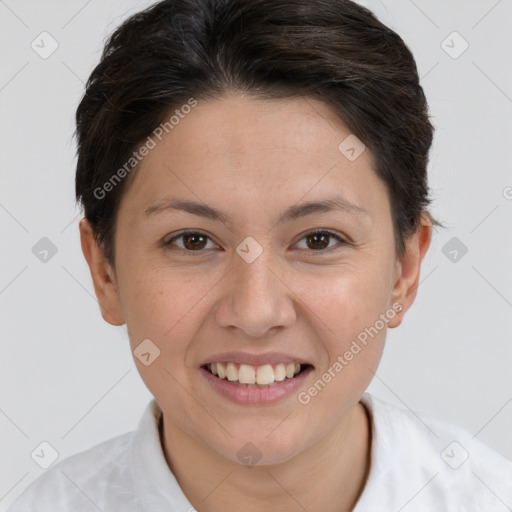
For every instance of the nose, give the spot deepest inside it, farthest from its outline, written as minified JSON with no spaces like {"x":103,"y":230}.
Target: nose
{"x":256,"y":299}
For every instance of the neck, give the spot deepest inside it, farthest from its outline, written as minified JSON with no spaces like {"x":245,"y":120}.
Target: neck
{"x":329,"y":476}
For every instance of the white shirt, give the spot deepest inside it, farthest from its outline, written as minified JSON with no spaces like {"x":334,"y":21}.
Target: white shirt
{"x":418,"y":464}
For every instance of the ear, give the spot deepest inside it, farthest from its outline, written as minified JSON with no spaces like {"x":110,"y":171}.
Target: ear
{"x":103,"y":276}
{"x":408,"y":268}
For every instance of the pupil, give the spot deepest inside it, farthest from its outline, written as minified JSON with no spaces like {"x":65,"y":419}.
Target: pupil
{"x":318,"y":237}
{"x":195,"y":243}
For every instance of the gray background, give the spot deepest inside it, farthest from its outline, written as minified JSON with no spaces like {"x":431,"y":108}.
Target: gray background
{"x":67,"y":377}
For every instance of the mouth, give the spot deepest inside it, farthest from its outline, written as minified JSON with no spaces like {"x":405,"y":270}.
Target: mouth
{"x":250,"y":376}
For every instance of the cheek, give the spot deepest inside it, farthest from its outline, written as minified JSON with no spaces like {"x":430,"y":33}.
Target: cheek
{"x":346,"y":300}
{"x":349,"y":306}
{"x":351,"y":312}
{"x":164,"y":307}
{"x":162,"y":310}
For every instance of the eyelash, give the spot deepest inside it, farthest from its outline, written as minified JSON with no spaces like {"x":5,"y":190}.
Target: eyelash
{"x":170,"y":246}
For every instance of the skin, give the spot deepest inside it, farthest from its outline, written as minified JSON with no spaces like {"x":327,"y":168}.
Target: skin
{"x":252,"y":159}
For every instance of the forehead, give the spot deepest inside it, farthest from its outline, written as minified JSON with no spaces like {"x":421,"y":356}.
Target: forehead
{"x":244,"y":125}
{"x":256,"y":152}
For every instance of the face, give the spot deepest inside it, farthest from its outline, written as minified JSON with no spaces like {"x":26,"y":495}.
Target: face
{"x":247,"y":231}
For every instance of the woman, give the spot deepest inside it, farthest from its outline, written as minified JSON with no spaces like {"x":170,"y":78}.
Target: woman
{"x":253,"y":178}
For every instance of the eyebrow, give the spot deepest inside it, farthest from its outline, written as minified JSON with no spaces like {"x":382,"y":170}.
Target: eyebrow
{"x":293,"y":213}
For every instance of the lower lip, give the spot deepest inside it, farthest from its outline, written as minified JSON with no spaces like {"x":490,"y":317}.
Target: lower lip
{"x":255,"y":395}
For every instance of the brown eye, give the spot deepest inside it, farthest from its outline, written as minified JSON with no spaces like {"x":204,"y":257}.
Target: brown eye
{"x":191,"y":241}
{"x":320,"y":240}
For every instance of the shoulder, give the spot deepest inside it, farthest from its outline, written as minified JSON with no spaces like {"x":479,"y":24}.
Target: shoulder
{"x":80,"y":482}
{"x":428,"y":461}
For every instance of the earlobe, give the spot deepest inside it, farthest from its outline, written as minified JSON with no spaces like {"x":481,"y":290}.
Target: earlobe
{"x":408,"y":269}
{"x":103,"y":276}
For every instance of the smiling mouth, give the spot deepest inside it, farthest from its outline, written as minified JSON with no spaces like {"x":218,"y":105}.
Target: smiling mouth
{"x":255,"y":376}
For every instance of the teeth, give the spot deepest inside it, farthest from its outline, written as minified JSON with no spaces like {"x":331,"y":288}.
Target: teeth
{"x":265,"y":375}
{"x":231,"y":372}
{"x":262,"y":375}
{"x":280,"y":372}
{"x":246,"y":374}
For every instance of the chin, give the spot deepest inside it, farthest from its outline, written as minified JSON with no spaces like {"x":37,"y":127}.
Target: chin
{"x":258,"y":448}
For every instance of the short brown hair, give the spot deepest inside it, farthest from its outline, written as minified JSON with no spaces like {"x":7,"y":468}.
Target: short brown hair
{"x":332,"y":50}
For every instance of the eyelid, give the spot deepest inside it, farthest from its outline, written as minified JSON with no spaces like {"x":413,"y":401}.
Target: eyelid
{"x":168,"y":238}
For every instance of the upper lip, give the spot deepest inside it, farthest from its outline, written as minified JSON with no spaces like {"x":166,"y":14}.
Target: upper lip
{"x":254,"y":359}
